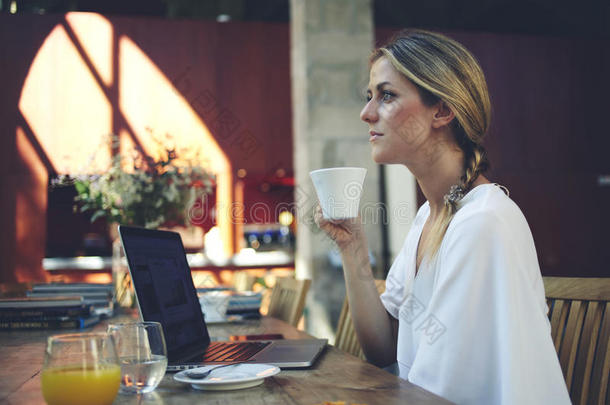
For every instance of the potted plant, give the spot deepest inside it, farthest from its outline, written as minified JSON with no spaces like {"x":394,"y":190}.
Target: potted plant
{"x":140,"y":190}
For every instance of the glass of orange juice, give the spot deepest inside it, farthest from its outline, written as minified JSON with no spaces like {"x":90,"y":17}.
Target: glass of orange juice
{"x":81,"y":368}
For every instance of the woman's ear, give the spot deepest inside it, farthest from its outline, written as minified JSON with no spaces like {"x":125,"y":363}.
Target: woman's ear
{"x":443,"y":115}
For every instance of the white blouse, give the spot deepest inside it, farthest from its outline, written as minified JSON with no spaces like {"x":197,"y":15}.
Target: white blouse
{"x":473,"y":324}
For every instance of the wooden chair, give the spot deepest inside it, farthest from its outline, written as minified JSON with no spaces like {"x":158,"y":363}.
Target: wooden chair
{"x":345,"y":338}
{"x":579,"y":310}
{"x":288,"y":299}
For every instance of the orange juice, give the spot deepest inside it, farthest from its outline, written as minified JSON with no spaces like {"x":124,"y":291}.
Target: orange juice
{"x":73,"y":385}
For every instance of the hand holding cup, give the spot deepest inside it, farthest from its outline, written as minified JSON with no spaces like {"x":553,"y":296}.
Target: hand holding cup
{"x":343,"y":231}
{"x":339,"y":190}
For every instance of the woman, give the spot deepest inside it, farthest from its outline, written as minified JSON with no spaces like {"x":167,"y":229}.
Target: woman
{"x":464,"y":312}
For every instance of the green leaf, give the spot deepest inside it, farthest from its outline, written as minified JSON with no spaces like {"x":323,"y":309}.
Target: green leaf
{"x":98,"y":214}
{"x":81,"y":188}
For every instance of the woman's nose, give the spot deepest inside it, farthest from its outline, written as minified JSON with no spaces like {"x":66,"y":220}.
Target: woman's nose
{"x":368,"y":113}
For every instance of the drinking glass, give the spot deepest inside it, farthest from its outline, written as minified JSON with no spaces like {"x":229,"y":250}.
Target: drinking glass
{"x":81,"y":368}
{"x":142,"y":355}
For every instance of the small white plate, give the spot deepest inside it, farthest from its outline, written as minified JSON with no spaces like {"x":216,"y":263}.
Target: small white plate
{"x":229,"y":378}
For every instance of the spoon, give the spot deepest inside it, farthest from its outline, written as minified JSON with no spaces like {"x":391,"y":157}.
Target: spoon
{"x":200,"y":375}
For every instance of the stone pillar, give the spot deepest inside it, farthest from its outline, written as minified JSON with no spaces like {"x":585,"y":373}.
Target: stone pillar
{"x":330,"y":44}
{"x":401,"y":203}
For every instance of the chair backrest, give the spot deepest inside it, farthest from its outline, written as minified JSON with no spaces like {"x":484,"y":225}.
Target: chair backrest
{"x":579,"y":311}
{"x":288,"y":299}
{"x":345,"y":338}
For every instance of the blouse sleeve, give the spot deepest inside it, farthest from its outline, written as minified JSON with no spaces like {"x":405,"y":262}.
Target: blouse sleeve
{"x":485,"y":338}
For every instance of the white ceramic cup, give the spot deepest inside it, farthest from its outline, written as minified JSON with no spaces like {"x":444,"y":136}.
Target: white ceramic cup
{"x":339,"y":190}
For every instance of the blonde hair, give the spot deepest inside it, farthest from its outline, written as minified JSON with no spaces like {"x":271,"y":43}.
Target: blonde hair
{"x":444,"y":70}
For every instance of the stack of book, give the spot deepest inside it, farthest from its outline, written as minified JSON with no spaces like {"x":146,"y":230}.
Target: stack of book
{"x":59,"y":312}
{"x":246,"y":304}
{"x":241,"y":304}
{"x":98,"y":296}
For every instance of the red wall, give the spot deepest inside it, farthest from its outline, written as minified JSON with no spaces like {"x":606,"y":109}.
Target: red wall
{"x":548,"y":141}
{"x":235,"y":76}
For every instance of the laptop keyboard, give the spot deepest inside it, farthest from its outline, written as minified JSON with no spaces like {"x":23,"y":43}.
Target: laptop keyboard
{"x":223,"y":351}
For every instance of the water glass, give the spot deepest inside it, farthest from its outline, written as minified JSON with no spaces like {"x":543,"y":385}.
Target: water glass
{"x":81,"y":368}
{"x":142,"y":355}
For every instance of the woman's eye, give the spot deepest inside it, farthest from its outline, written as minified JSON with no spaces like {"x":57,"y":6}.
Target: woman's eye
{"x":387,"y":95}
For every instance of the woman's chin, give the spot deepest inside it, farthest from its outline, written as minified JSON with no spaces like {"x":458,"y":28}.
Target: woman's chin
{"x":380,"y":158}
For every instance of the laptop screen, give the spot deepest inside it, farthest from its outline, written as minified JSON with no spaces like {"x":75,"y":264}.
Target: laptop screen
{"x":165,"y":290}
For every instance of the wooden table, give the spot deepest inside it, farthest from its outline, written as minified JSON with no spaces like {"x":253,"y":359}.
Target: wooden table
{"x":336,"y":376}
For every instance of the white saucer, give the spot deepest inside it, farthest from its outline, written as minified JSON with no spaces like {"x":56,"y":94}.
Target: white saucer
{"x":229,"y":378}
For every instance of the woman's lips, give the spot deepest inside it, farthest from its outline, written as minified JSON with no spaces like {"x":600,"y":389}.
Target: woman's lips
{"x":373,"y":136}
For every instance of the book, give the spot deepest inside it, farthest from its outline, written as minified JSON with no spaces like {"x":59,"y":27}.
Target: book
{"x":42,"y":302}
{"x":99,"y":296}
{"x":239,"y":302}
{"x":50,"y":323}
{"x":95,"y":299}
{"x":244,"y":302}
{"x":92,"y":293}
{"x":80,"y":287}
{"x":34,"y":313}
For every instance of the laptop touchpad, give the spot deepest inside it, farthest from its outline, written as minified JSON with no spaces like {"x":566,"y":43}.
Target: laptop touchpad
{"x":289,"y":351}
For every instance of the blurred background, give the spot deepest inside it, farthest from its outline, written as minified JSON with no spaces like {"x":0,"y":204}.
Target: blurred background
{"x":265,"y":91}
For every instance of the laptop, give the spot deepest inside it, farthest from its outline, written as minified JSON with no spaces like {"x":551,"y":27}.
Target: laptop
{"x":165,"y":293}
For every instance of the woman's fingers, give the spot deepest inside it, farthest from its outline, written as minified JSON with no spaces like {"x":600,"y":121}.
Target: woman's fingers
{"x":317,"y":216}
{"x":342,"y":231}
{"x":319,"y":219}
